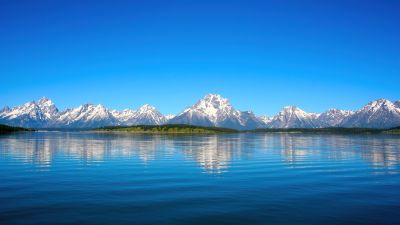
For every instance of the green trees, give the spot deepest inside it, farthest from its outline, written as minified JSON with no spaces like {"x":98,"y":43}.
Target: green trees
{"x":7,"y":129}
{"x":169,"y":129}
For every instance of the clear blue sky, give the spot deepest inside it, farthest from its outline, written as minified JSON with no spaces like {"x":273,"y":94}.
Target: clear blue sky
{"x":262,"y":55}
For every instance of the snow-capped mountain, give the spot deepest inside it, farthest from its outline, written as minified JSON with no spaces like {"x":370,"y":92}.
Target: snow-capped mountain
{"x":380,"y":113}
{"x":48,"y":108}
{"x":214,"y":110}
{"x":86,"y":116}
{"x":148,"y":115}
{"x":294,"y":117}
{"x":125,"y":116}
{"x":333,"y":117}
{"x":169,"y":116}
{"x":90,"y":115}
{"x":30,"y":114}
{"x":44,"y":114}
{"x":250,"y":121}
{"x":265,"y":119}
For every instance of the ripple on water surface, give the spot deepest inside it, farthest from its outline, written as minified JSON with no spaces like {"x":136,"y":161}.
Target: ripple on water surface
{"x":94,"y":178}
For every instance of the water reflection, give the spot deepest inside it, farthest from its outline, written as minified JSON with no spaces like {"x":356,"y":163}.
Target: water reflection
{"x":213,"y":153}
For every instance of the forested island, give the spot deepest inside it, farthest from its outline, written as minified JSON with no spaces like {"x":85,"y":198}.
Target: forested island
{"x":191,"y":129}
{"x":4,"y":129}
{"x":168,"y":129}
{"x":395,"y":130}
{"x":332,"y":130}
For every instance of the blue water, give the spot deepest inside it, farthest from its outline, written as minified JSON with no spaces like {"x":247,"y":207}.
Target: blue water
{"x":94,"y":178}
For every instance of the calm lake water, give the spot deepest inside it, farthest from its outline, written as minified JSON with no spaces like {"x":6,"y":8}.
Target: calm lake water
{"x":95,"y":178}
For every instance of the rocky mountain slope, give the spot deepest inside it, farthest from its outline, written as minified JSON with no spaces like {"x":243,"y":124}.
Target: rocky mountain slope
{"x":213,"y":110}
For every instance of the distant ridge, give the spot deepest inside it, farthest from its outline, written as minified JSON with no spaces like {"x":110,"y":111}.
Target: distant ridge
{"x":211,"y":111}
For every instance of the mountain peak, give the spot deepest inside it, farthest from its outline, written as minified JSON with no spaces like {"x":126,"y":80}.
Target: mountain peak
{"x":265,"y":119}
{"x":333,"y":117}
{"x":147,"y":107}
{"x":212,"y":106}
{"x":29,"y":104}
{"x":211,"y":110}
{"x":169,"y":116}
{"x":378,"y":104}
{"x":213,"y":102}
{"x":148,"y":115}
{"x":380,"y":101}
{"x":293,"y":117}
{"x":215,"y":110}
{"x":213,"y":96}
{"x":45,"y":103}
{"x":292,"y":109}
{"x":380,"y":113}
{"x":44,"y":100}
{"x":337,"y":111}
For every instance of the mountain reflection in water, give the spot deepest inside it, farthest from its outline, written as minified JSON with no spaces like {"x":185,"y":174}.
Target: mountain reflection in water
{"x":213,"y":153}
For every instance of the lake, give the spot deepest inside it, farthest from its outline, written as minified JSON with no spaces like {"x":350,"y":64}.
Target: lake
{"x":111,"y":178}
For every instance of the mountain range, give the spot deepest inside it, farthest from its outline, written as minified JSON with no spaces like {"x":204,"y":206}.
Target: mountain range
{"x":213,"y":110}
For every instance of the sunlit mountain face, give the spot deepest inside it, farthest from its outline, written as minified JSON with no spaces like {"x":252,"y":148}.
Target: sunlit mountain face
{"x":213,"y":110}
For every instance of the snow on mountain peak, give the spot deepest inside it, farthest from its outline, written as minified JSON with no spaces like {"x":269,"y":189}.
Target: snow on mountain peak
{"x":30,"y":114}
{"x":380,"y":113}
{"x":294,"y":117}
{"x":48,"y":108}
{"x":377,"y":105}
{"x":265,"y":119}
{"x":333,"y":111}
{"x":289,"y":110}
{"x":211,"y":110}
{"x":87,"y":115}
{"x":333,"y":117}
{"x":123,"y":116}
{"x":169,"y":116}
{"x":147,"y":115}
{"x":215,"y":98}
{"x":45,"y":100}
{"x":212,"y":106}
{"x":29,"y":104}
{"x":146,"y":108}
{"x":215,"y":110}
{"x":213,"y":101}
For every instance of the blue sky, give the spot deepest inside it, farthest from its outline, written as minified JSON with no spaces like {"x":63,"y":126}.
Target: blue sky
{"x":262,"y":55}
